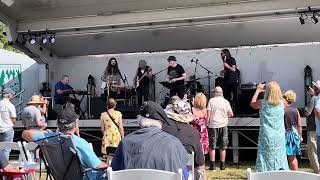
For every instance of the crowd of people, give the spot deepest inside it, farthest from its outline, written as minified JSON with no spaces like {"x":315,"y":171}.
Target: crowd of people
{"x":167,"y":135}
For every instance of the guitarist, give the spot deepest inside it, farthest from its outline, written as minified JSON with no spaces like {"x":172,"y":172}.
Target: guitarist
{"x":112,"y":80}
{"x":141,"y":81}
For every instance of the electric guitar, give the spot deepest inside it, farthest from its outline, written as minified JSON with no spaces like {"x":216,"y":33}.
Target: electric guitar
{"x":143,"y":75}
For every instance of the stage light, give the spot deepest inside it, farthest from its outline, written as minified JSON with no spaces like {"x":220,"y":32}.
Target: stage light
{"x":7,"y":2}
{"x":44,"y":40}
{"x":302,"y":21}
{"x":32,"y":40}
{"x":52,"y":39}
{"x":314,"y":18}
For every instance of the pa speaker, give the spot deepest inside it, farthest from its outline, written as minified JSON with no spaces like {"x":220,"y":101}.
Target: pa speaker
{"x":243,"y":108}
{"x":97,"y":106}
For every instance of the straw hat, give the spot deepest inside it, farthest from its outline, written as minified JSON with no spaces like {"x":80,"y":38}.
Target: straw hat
{"x":35,"y":99}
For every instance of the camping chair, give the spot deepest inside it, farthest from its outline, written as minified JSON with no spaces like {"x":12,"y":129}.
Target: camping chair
{"x":110,"y":154}
{"x":143,"y":174}
{"x":14,"y":175}
{"x":281,"y":175}
{"x":61,"y":158}
{"x":17,"y":146}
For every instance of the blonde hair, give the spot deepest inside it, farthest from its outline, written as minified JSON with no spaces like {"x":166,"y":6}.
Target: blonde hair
{"x":273,"y":94}
{"x":290,"y":96}
{"x":200,"y":101}
{"x":111,"y":103}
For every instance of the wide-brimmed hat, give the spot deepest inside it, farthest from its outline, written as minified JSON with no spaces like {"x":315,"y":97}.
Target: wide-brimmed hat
{"x":35,"y":99}
{"x":179,"y":110}
{"x":172,"y":58}
{"x":153,"y":110}
{"x":316,"y":84}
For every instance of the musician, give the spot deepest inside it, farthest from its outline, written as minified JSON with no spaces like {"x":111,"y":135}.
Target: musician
{"x":61,"y":93}
{"x":176,"y":76}
{"x":112,"y":78}
{"x":230,"y":80}
{"x":141,"y":81}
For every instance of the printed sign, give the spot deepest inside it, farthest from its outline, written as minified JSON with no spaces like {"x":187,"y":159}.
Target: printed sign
{"x":10,"y":76}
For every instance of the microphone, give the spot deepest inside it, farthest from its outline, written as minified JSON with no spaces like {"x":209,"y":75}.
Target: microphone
{"x":192,"y":60}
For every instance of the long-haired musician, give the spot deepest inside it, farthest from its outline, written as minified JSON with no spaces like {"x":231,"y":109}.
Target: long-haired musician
{"x":141,"y":81}
{"x":111,"y":78}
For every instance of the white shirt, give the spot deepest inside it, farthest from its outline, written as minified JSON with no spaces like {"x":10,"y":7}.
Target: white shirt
{"x":219,"y":108}
{"x":7,"y":111}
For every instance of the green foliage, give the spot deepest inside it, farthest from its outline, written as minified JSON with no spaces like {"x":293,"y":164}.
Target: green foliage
{"x":4,"y":44}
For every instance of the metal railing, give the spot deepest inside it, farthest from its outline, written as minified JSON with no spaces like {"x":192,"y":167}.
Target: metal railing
{"x":18,"y":105}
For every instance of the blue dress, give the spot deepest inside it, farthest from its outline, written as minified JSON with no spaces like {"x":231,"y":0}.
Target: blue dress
{"x":272,"y":141}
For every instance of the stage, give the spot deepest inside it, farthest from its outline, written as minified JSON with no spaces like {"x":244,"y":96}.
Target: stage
{"x":243,"y":132}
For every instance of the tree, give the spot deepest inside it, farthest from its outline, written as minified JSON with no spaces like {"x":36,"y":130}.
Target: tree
{"x":4,"y":43}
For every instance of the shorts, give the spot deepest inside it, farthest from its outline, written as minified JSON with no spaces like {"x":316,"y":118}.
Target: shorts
{"x":218,"y":137}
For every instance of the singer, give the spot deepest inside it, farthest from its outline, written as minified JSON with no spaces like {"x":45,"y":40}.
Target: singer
{"x":111,"y":80}
{"x":176,"y":76}
{"x":231,"y":77}
{"x":141,"y":82}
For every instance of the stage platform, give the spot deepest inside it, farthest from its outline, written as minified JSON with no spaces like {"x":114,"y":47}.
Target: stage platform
{"x":243,"y":133}
{"x":94,"y":124}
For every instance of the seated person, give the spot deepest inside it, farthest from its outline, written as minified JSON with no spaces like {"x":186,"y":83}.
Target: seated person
{"x":67,"y":124}
{"x":6,"y":167}
{"x":150,"y":147}
{"x":31,"y":115}
{"x":61,"y":93}
{"x":179,"y":114}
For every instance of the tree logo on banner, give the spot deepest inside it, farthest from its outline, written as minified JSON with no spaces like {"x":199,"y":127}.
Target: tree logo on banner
{"x":10,"y":76}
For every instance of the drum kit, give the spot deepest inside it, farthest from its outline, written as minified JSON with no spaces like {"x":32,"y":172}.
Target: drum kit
{"x":121,"y":92}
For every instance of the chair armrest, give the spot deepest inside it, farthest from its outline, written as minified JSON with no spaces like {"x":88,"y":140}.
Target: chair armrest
{"x":95,"y":169}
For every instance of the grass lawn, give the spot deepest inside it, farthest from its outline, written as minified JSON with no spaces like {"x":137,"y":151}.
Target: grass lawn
{"x":234,"y":171}
{"x":239,"y":171}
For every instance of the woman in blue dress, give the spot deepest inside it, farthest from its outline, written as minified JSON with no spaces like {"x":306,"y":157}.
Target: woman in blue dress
{"x":271,"y":153}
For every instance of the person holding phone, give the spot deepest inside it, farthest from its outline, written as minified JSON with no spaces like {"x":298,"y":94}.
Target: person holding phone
{"x":271,"y":153}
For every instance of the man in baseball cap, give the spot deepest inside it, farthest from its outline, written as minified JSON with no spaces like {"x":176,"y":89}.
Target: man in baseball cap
{"x":67,"y":123}
{"x":7,"y":118}
{"x":150,"y":147}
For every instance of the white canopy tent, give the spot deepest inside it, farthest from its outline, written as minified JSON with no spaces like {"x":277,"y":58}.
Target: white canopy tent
{"x":86,"y":27}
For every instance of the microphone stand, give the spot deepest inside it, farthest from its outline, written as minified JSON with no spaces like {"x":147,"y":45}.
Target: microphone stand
{"x":208,"y":72}
{"x":154,"y":82}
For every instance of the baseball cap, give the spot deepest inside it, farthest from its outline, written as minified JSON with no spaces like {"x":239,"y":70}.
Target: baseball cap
{"x":153,"y":110}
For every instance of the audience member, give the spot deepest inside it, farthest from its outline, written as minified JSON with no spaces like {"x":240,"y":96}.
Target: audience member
{"x":111,"y":127}
{"x":292,"y":124}
{"x":199,"y":112}
{"x":150,"y":147}
{"x":271,"y":153}
{"x":6,"y":167}
{"x":31,"y":115}
{"x":179,"y":113}
{"x":7,"y":118}
{"x":219,"y":110}
{"x":317,"y":115}
{"x":67,"y":121}
{"x":311,"y":128}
